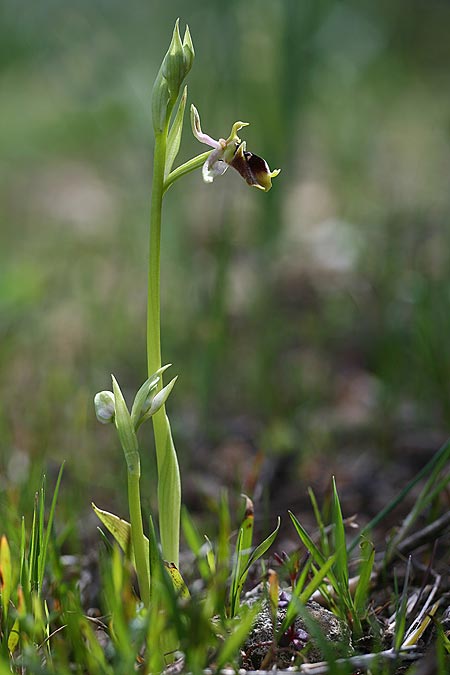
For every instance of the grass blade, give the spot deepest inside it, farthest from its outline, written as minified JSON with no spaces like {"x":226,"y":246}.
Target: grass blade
{"x":233,"y":642}
{"x":48,"y":532}
{"x":305,"y":595}
{"x":365,"y":574}
{"x":439,"y":460}
{"x":313,"y":550}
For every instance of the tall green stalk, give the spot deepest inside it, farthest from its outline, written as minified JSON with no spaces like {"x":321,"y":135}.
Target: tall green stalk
{"x":137,"y":536}
{"x":169,"y":484}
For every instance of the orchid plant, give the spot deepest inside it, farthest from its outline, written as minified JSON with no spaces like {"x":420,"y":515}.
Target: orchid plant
{"x":168,"y":108}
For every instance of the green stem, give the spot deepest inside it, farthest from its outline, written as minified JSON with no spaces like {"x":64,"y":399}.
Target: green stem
{"x":187,"y":167}
{"x":169,"y":485}
{"x":137,"y":536}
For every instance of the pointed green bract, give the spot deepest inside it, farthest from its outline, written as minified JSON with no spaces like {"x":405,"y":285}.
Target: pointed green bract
{"x":125,"y":430}
{"x":174,"y":137}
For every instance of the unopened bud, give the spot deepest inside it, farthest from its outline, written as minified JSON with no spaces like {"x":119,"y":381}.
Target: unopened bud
{"x":105,"y":407}
{"x":188,"y":50}
{"x":174,"y":68}
{"x":156,"y":399}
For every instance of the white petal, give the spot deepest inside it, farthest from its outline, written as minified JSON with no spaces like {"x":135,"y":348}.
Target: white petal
{"x":211,"y":170}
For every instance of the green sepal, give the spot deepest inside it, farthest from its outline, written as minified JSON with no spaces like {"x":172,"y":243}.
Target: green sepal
{"x":126,"y":431}
{"x":174,"y":137}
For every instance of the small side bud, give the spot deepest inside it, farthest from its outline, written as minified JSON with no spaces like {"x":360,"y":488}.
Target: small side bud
{"x":105,"y":407}
{"x":155,"y":401}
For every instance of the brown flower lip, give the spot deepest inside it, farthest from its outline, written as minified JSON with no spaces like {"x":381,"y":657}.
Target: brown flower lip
{"x":253,"y":169}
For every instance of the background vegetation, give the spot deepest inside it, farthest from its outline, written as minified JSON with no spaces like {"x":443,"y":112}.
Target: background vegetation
{"x":309,"y":322}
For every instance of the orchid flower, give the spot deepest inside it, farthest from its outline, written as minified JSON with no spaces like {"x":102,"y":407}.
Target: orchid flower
{"x":232,"y":152}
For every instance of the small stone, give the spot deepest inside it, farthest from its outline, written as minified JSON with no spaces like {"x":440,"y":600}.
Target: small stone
{"x":260,"y":639}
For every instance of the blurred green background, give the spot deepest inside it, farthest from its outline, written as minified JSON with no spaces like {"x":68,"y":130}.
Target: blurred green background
{"x":311,"y":321}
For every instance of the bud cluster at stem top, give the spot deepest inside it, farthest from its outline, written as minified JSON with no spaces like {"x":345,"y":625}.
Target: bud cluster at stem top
{"x":174,"y":68}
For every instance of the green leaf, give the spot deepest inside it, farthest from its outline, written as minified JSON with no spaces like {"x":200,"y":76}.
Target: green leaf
{"x":306,"y":540}
{"x":5,"y":574}
{"x":13,"y":637}
{"x":174,"y":137}
{"x":121,"y":531}
{"x":263,"y":547}
{"x":177,"y":580}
